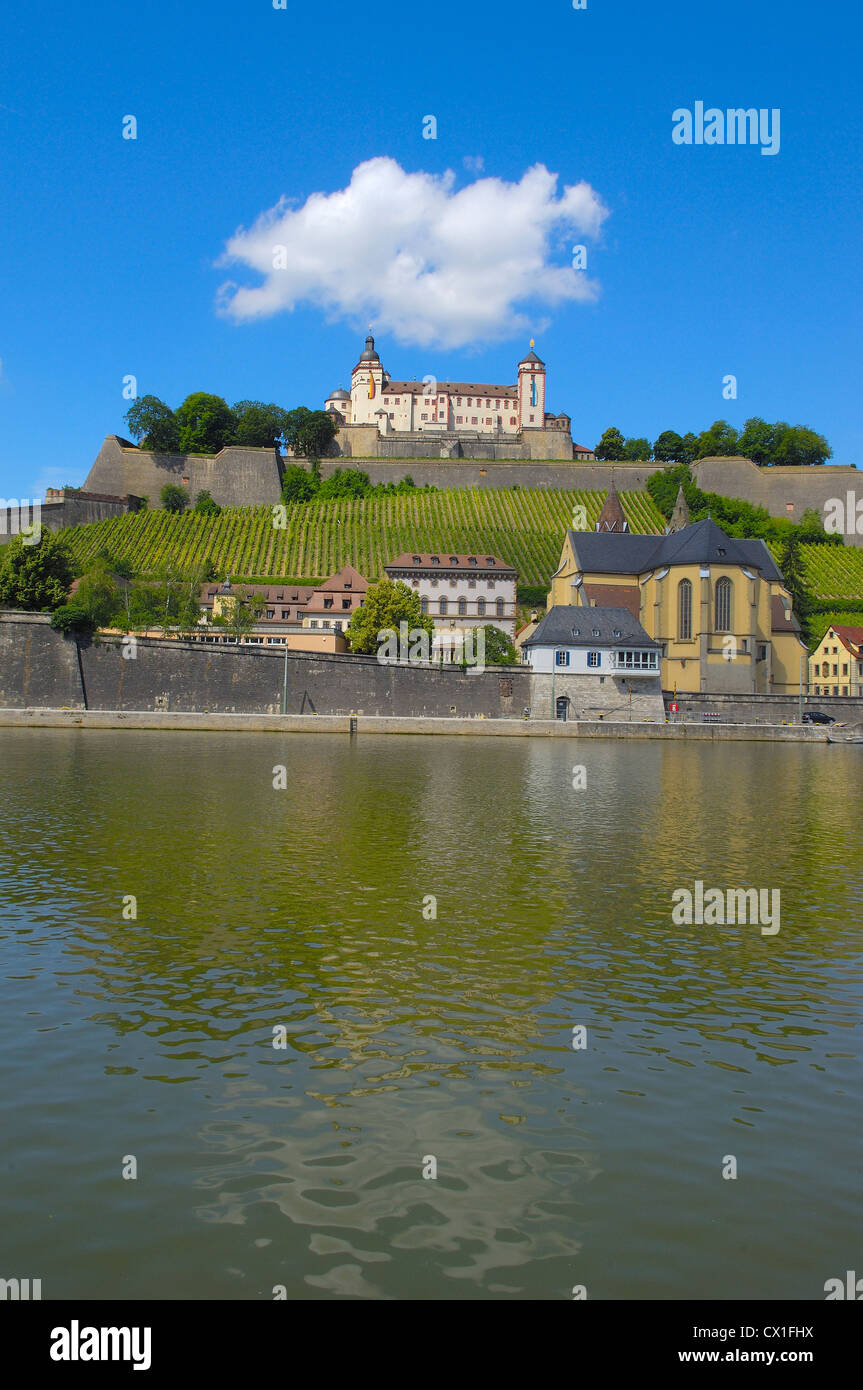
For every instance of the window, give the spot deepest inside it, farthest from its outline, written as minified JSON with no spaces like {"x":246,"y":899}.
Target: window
{"x":443,"y":606}
{"x":637,"y":661}
{"x":825,"y":669}
{"x":561,"y":658}
{"x":458,"y":400}
{"x":435,"y":559}
{"x":423,"y":417}
{"x":480,"y":607}
{"x":473,"y":419}
{"x":346,"y":603}
{"x":762,"y":652}
{"x":424,"y":605}
{"x":594,"y":658}
{"x":512,"y":420}
{"x":417,"y":560}
{"x":453,"y":559}
{"x":459,"y":420}
{"x":722,"y":605}
{"x":471,"y":559}
{"x":499,"y":607}
{"x":271,"y":613}
{"x":489,"y":420}
{"x":284,"y":612}
{"x":684,"y":610}
{"x":462,"y":606}
{"x":844,"y":667}
{"x":328,"y":603}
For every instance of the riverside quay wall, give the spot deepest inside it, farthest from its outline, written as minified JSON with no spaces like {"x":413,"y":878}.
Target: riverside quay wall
{"x":39,"y":668}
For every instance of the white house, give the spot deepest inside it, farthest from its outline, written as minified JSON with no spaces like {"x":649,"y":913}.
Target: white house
{"x":594,"y":663}
{"x":460,"y":591}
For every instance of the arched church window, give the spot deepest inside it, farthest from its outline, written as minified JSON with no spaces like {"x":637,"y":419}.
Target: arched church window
{"x":722,"y":605}
{"x":684,"y":610}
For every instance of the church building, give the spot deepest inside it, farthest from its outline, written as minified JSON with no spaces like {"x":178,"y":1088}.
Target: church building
{"x":717,"y":605}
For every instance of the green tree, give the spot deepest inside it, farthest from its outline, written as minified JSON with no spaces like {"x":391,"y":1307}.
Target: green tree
{"x":298,"y":484}
{"x":153,"y":423}
{"x":668,"y":447}
{"x":206,"y":424}
{"x":387,"y":604}
{"x":73,"y":621}
{"x":258,"y":426}
{"x":204,"y":504}
{"x":800,"y":447}
{"x":174,"y":499}
{"x":345,"y":482}
{"x":758,"y":441}
{"x":610,"y":447}
{"x":720,"y":441}
{"x":35,"y":577}
{"x":790,"y":564}
{"x":637,"y":450}
{"x":309,"y":433}
{"x":689,"y":448}
{"x":499,"y":649}
{"x":96,"y":594}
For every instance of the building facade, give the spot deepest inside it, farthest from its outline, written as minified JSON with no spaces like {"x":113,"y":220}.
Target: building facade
{"x":451,"y":414}
{"x":594,"y":663}
{"x":460,"y":592}
{"x":717,"y":605}
{"x":836,"y":665}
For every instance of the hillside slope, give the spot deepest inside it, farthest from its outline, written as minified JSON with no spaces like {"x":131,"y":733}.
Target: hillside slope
{"x":523,"y":526}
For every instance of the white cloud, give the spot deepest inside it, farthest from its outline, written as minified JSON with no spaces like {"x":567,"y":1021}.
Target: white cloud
{"x":426,"y":262}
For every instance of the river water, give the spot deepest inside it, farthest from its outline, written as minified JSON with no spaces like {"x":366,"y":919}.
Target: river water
{"x":413,"y":1041}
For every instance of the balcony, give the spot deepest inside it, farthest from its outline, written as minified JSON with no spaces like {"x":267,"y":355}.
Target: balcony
{"x":634,"y":663}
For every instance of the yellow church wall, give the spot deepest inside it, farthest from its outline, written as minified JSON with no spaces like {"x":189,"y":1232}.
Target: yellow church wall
{"x":749,"y":658}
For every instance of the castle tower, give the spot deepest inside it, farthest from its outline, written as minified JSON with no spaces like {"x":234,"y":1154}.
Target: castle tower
{"x":367,"y":379}
{"x":611,"y":517}
{"x":680,"y":515}
{"x":531,"y":391}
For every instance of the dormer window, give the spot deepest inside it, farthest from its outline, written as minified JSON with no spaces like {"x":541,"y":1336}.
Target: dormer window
{"x":617,"y":632}
{"x":417,"y":560}
{"x":471,"y":559}
{"x":453,"y":559}
{"x":576,"y":632}
{"x":489,"y":559}
{"x":596,"y":632}
{"x":435,"y":559}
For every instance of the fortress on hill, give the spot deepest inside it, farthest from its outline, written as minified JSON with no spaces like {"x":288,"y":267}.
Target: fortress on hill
{"x":382,"y":418}
{"x":450,"y":434}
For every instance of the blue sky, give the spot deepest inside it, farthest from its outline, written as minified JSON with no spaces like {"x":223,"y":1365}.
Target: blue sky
{"x":710,"y":261}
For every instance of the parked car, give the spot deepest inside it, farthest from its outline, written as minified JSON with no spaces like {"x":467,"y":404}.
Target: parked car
{"x":815,"y":716}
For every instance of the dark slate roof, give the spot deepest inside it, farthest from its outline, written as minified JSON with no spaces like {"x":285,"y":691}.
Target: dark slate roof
{"x":565,"y":626}
{"x":782,"y":619}
{"x":613,"y":552}
{"x":532,"y":357}
{"x":703,"y":543}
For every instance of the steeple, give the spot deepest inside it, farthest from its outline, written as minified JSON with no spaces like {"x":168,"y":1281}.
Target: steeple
{"x":680,"y":515}
{"x":611,"y":517}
